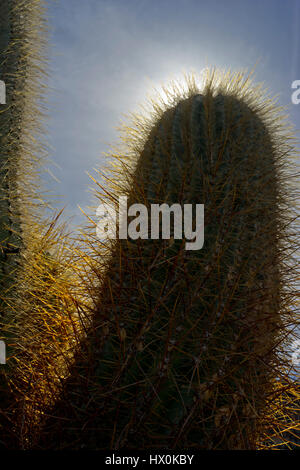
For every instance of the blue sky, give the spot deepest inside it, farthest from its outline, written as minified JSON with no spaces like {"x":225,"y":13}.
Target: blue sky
{"x":106,"y":55}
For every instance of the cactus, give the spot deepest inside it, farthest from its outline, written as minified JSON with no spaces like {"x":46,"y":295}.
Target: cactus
{"x":184,"y":347}
{"x":37,"y":321}
{"x":22,"y":149}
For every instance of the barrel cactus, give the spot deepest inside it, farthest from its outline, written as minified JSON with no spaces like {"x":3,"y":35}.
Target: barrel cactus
{"x":185,"y":347}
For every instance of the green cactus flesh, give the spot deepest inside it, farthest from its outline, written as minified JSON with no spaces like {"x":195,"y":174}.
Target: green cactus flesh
{"x":181,"y":348}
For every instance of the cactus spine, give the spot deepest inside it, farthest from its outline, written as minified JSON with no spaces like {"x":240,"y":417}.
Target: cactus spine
{"x":183,"y":350}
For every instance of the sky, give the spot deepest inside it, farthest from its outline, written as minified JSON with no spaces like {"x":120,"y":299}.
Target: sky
{"x":105,"y":56}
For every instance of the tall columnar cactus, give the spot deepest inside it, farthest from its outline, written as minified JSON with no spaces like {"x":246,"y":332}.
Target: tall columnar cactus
{"x":21,"y":64}
{"x":36,"y":284}
{"x":18,"y":145}
{"x":184,"y":348}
